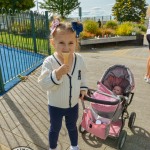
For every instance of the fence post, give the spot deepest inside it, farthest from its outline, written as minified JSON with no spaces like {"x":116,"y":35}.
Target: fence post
{"x":1,"y":82}
{"x":33,"y":31}
{"x":47,"y":31}
{"x":80,"y":12}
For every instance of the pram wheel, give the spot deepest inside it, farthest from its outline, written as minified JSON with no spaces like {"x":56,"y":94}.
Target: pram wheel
{"x":121,"y":139}
{"x":81,"y":129}
{"x":131,"y":120}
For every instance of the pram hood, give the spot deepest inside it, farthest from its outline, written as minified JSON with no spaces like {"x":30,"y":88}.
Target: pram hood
{"x":118,"y":75}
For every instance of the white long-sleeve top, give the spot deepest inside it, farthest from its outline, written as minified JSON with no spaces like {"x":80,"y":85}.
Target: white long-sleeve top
{"x":148,"y":31}
{"x":148,"y":28}
{"x":63,"y":93}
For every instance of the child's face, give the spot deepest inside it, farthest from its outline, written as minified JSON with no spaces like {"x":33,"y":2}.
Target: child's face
{"x":117,"y":90}
{"x":64,"y":41}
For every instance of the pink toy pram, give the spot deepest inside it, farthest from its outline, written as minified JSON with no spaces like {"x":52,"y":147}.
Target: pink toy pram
{"x":107,"y":112}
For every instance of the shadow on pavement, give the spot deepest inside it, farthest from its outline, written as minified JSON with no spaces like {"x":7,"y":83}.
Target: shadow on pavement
{"x":26,"y":126}
{"x":139,"y":136}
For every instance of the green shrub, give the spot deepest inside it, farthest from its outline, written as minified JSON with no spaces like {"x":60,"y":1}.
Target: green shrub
{"x":111,"y":24}
{"x":99,"y":32}
{"x":137,"y":30}
{"x":125,"y":28}
{"x":109,"y":31}
{"x":105,"y":31}
{"x":111,"y":28}
{"x":142,"y":27}
{"x":85,"y":35}
{"x":90,"y":26}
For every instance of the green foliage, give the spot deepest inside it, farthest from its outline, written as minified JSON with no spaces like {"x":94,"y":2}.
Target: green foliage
{"x":111,"y":24}
{"x":142,"y":27}
{"x":136,"y":30}
{"x":25,"y":29}
{"x":25,"y":43}
{"x":17,"y":4}
{"x":130,"y":10}
{"x":109,"y":31}
{"x":105,"y":31}
{"x":60,"y":7}
{"x":90,"y":26}
{"x":86,"y":35}
{"x":139,"y":28}
{"x":125,"y":28}
{"x":99,"y":32}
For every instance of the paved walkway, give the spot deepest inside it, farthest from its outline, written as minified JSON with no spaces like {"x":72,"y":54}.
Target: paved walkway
{"x":23,"y":110}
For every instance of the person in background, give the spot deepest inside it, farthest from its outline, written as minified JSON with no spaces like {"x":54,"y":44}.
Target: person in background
{"x":99,"y":23}
{"x":147,"y":75}
{"x":63,"y":76}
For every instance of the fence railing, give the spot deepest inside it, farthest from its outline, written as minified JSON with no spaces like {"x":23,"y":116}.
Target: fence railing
{"x":103,"y":19}
{"x":24,"y":42}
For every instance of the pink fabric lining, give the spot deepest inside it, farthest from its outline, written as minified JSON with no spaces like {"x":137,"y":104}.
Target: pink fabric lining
{"x":115,"y":128}
{"x":88,"y":123}
{"x":103,"y":88}
{"x":98,"y":96}
{"x":102,"y":107}
{"x":102,"y":130}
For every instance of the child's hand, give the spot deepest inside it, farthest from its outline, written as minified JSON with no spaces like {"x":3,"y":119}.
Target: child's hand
{"x":64,"y":69}
{"x":82,"y":94}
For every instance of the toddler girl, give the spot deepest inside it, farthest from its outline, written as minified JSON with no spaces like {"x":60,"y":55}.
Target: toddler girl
{"x":63,"y":77}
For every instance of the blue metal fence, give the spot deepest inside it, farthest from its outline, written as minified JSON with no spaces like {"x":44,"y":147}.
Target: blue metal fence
{"x":24,"y":42}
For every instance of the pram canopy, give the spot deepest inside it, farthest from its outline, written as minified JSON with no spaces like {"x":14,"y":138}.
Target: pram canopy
{"x":118,"y":75}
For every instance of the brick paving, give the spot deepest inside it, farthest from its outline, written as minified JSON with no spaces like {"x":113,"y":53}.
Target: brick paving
{"x":24,"y":119}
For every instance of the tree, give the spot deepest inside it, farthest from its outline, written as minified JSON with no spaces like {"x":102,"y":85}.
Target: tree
{"x":130,"y":10}
{"x":61,"y":7}
{"x":17,"y":4}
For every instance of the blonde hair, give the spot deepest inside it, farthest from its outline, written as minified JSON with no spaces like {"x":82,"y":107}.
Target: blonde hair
{"x":148,"y":11}
{"x":65,"y":27}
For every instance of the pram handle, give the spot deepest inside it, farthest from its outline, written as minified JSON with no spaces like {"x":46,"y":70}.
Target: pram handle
{"x":117,"y":101}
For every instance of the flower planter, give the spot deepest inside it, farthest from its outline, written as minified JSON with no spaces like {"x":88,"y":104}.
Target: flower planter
{"x":121,"y":40}
{"x":107,"y":40}
{"x":139,"y":39}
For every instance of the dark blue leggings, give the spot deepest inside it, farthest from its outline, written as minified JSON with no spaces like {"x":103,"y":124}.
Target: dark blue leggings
{"x":148,"y":39}
{"x":56,"y":116}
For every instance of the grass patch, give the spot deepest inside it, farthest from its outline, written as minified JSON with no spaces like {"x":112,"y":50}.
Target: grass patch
{"x":24,"y":43}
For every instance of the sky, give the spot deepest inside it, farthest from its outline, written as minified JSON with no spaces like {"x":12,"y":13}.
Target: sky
{"x":91,"y":7}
